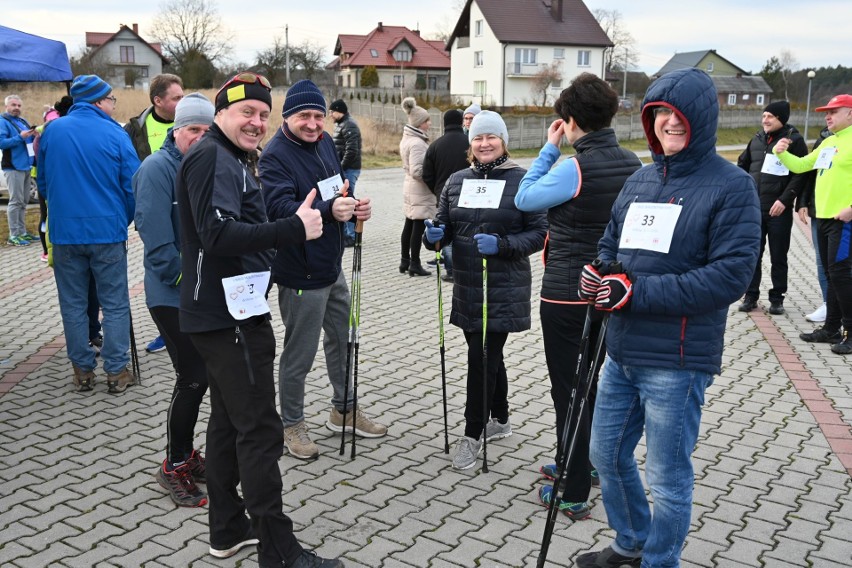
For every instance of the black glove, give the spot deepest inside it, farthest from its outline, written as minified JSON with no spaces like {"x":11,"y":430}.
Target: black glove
{"x":590,"y":281}
{"x":614,"y":292}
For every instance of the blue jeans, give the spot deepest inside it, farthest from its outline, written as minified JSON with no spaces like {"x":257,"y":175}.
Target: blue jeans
{"x":349,"y":226}
{"x":823,"y":281}
{"x":667,"y":404}
{"x":73,"y":266}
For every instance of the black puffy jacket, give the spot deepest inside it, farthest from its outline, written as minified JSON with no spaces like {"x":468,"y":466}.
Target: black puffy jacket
{"x":772,"y":188}
{"x":347,"y":142}
{"x":509,"y":275}
{"x":444,"y":157}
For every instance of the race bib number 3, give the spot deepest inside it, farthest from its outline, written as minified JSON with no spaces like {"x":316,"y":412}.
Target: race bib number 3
{"x":481,"y":193}
{"x":649,"y":226}
{"x":245,"y":294}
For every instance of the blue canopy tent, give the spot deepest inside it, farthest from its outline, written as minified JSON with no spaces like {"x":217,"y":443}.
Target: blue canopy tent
{"x":28,"y":58}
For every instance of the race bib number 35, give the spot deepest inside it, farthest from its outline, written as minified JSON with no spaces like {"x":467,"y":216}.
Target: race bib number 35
{"x":481,"y":193}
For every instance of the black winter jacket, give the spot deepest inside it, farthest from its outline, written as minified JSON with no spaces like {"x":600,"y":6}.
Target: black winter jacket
{"x":223,"y":229}
{"x":772,"y":188}
{"x":347,"y":142}
{"x":444,"y":157}
{"x":509,"y":275}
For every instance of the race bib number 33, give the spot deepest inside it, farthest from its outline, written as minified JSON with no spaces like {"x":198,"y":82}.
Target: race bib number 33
{"x":649,"y":226}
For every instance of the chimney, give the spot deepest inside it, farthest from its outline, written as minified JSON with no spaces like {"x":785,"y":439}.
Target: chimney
{"x":416,"y":32}
{"x":556,"y":10}
{"x":136,"y":29}
{"x":379,"y":28}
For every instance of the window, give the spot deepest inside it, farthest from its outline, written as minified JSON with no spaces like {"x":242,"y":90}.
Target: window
{"x":479,"y":88}
{"x":126,"y":53}
{"x":558,"y":53}
{"x":732,"y":99}
{"x":433,"y":83}
{"x":526,"y":55}
{"x":584,"y":58}
{"x":143,"y":71}
{"x":556,"y":84}
{"x":710,"y":67}
{"x":478,"y":59}
{"x":399,"y":81}
{"x":758,"y":100}
{"x":402,"y":55}
{"x":477,"y":27}
{"x":746,"y":97}
{"x":374,"y":53}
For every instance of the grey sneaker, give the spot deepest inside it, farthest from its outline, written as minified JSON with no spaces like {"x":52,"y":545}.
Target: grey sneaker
{"x":464,"y":456}
{"x":364,"y":425}
{"x":496,"y":431}
{"x":83,"y":380}
{"x":119,"y":382}
{"x":298,"y":442}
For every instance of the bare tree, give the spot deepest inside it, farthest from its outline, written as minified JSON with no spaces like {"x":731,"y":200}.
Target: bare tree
{"x":190,"y":27}
{"x":309,"y":57}
{"x":90,"y":62}
{"x":622,"y":55}
{"x":448,"y":21}
{"x":542,"y":81}
{"x":272,"y":61}
{"x":788,"y":64}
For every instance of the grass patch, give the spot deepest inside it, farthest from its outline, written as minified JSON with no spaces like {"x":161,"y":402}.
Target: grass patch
{"x":33,"y":217}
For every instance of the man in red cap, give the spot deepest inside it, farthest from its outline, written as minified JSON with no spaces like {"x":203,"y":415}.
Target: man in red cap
{"x":833,"y":199}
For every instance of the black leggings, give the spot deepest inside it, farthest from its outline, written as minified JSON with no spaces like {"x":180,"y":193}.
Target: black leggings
{"x":412,"y":234}
{"x":189,"y":388}
{"x":498,"y":383}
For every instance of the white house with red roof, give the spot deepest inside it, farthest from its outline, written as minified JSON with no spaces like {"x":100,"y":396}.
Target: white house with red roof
{"x":498,"y":48}
{"x":402,"y":58}
{"x":130,"y":60}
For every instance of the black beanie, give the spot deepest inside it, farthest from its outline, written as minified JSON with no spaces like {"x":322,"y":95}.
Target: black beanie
{"x":780,"y":110}
{"x":234,"y":91}
{"x":453,"y":117}
{"x":338,"y":106}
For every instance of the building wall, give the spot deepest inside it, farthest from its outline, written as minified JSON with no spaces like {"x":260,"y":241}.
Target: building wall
{"x":464,"y":74}
{"x":147,"y":62}
{"x":721,"y":68}
{"x":519,"y":88}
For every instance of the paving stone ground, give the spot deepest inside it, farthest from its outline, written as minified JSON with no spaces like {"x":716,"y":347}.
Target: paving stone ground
{"x":772,"y":464}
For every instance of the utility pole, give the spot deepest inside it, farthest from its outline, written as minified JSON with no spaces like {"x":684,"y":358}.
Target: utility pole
{"x":287,"y":53}
{"x":624,"y":86}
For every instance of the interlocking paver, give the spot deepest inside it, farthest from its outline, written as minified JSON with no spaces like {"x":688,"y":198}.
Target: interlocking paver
{"x":76,"y":485}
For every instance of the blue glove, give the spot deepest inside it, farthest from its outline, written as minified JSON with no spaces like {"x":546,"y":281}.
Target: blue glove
{"x":433,"y":233}
{"x":487,"y":244}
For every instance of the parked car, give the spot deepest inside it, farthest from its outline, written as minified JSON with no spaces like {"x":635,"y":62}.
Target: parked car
{"x":625,"y":104}
{"x":4,"y":191}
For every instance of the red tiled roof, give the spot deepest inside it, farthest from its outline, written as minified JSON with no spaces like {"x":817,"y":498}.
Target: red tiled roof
{"x":530,"y":21}
{"x":425,"y":54}
{"x":98,"y":39}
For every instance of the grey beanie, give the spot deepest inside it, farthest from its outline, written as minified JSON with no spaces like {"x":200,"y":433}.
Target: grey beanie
{"x":193,"y":109}
{"x":488,"y":122}
{"x":473,"y":109}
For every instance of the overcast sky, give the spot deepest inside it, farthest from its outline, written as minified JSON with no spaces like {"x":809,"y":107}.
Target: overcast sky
{"x":745,"y":33}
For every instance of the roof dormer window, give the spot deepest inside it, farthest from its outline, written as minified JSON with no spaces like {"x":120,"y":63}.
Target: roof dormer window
{"x":374,"y":53}
{"x":402,"y":55}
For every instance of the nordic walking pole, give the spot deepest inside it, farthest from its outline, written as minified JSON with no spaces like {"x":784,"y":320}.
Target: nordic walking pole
{"x":441,"y":345}
{"x":585,"y":375}
{"x":134,"y":353}
{"x":351,"y":349}
{"x":356,"y":278}
{"x":485,"y":400}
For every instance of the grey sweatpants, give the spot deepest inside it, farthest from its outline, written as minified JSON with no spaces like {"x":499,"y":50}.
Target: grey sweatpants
{"x":305,"y":313}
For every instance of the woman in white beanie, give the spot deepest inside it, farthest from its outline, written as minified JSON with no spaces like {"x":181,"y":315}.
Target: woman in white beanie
{"x":491,"y":228}
{"x":418,"y":200}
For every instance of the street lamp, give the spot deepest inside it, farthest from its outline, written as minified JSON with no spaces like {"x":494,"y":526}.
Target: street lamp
{"x":811,"y":75}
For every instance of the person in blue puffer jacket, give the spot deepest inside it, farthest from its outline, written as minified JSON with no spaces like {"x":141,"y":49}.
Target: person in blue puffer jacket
{"x":686,"y":232}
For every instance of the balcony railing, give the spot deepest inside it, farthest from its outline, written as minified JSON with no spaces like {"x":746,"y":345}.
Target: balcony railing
{"x":523,"y":69}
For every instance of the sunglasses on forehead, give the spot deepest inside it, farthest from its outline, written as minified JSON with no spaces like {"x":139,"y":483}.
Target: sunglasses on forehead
{"x":247,"y":78}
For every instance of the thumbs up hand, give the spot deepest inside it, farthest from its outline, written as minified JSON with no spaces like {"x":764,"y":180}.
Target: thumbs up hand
{"x":311,"y":218}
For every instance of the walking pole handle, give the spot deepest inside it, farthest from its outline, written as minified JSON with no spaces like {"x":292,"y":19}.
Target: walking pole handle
{"x":359,"y":226}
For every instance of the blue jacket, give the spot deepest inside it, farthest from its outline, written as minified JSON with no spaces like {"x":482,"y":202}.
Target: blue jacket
{"x":676,"y":317}
{"x":289,"y":169}
{"x":85,"y":166}
{"x":12,"y":144}
{"x":158,"y":223}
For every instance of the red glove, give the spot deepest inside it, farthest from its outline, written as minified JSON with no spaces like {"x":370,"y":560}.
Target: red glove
{"x":590,"y":281}
{"x":614,"y":292}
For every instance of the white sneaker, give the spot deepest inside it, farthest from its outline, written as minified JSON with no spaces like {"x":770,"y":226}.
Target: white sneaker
{"x":464,"y":456}
{"x":818,"y":315}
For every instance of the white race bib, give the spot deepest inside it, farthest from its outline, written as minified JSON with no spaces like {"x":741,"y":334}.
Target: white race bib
{"x":30,"y":150}
{"x":246,"y":294}
{"x":329,"y":186}
{"x":649,"y":226}
{"x":773,"y":166}
{"x":823,"y":161}
{"x":481,"y":193}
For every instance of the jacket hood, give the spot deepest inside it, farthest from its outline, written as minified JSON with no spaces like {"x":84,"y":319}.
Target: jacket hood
{"x":170,"y":146}
{"x":691,"y":94}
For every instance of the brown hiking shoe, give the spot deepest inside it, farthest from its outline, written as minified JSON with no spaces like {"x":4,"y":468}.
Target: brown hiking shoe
{"x":364,"y":425}
{"x":83,"y":380}
{"x":298,"y":443}
{"x":119,"y":382}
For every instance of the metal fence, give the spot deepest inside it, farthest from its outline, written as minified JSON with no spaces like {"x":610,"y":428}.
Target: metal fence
{"x":530,"y":131}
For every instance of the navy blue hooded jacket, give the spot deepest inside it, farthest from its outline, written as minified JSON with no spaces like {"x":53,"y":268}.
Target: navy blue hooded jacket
{"x":676,"y":317}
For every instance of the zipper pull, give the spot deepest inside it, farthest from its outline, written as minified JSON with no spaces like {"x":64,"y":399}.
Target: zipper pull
{"x":237,"y":338}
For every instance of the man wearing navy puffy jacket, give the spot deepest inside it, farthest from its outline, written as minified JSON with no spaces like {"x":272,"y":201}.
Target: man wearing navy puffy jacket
{"x":686,"y":232}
